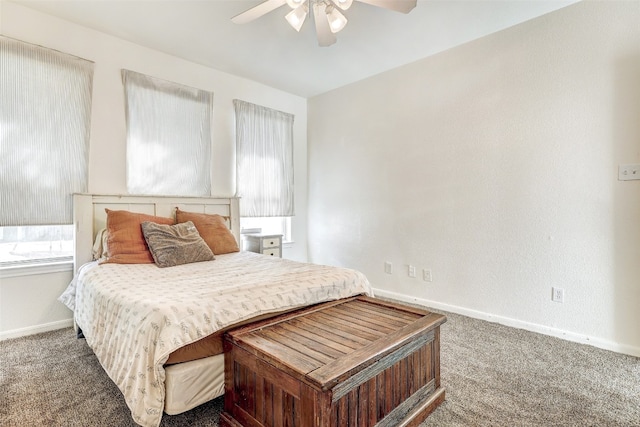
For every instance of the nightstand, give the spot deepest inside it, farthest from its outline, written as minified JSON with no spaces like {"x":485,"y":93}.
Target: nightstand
{"x":267,"y":244}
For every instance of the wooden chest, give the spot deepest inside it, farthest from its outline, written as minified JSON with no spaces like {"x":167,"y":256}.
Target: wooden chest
{"x":353,"y":362}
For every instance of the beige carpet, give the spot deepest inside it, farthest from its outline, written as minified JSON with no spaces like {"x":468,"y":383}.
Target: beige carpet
{"x":493,"y":375}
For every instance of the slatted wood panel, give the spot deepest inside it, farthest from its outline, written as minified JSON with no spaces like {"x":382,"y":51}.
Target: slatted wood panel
{"x":356,"y":362}
{"x":372,"y":401}
{"x":295,"y":342}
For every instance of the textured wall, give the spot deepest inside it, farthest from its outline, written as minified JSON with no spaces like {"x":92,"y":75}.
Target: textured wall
{"x":494,"y":164}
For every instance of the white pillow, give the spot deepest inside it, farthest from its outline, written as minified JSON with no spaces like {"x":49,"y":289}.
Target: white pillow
{"x":100,"y":249}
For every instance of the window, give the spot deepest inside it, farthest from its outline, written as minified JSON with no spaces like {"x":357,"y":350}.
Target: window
{"x":35,"y":244}
{"x":45,"y":111}
{"x":168,"y":137}
{"x":264,"y":161}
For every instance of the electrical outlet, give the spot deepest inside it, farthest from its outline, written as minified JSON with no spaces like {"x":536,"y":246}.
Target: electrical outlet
{"x":412,"y":271}
{"x":426,"y":275}
{"x":388,"y":267}
{"x":628,"y":172}
{"x":557,"y":294}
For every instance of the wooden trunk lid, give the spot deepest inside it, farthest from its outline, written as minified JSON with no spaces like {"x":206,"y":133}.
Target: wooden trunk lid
{"x":325,"y":344}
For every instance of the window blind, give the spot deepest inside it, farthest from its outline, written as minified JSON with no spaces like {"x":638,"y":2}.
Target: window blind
{"x":264,"y":160}
{"x":45,"y":113}
{"x":168,"y":137}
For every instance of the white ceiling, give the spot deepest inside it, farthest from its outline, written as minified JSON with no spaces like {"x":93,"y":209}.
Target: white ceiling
{"x":269,"y":51}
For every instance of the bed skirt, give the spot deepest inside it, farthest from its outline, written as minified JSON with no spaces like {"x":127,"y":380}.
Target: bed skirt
{"x":190,"y":384}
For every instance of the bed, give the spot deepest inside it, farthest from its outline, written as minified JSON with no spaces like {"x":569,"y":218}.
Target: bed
{"x":137,"y":317}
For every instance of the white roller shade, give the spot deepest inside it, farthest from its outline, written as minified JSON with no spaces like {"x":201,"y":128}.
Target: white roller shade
{"x":264,"y":160}
{"x":45,"y":113}
{"x":168,"y":137}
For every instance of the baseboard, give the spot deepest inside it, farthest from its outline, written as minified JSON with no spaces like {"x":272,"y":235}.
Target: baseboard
{"x":31,"y":330}
{"x":514,"y":323}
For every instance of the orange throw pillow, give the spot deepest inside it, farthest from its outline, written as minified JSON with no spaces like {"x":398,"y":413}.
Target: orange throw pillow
{"x":125,"y":239}
{"x":212,"y":229}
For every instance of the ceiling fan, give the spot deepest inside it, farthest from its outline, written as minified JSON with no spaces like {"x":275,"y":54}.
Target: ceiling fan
{"x":326,"y":14}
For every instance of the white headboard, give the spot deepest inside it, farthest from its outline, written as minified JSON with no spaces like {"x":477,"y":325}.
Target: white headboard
{"x":89,"y":214}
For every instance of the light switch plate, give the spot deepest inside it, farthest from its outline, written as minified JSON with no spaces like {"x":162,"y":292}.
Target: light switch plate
{"x":412,"y":271}
{"x":388,"y":267}
{"x":628,"y":172}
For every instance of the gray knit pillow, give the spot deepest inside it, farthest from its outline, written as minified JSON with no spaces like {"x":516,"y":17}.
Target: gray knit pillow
{"x":175,"y":244}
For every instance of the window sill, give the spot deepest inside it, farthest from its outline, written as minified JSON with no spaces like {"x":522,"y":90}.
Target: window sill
{"x":35,"y":269}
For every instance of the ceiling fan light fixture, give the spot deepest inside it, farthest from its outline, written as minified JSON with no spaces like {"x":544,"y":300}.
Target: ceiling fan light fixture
{"x":337,"y":21}
{"x":295,"y":3}
{"x":343,"y":4}
{"x":297,"y":16}
{"x":327,"y":17}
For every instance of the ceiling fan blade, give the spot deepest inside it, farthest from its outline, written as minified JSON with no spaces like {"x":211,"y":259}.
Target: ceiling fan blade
{"x":404,"y":6}
{"x":323,"y":30}
{"x":257,"y":11}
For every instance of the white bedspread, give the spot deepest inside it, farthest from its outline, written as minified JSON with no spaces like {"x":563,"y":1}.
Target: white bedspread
{"x":134,"y":316}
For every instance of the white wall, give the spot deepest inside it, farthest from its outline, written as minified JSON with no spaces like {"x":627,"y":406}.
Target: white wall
{"x":494,"y":164}
{"x":108,"y":137}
